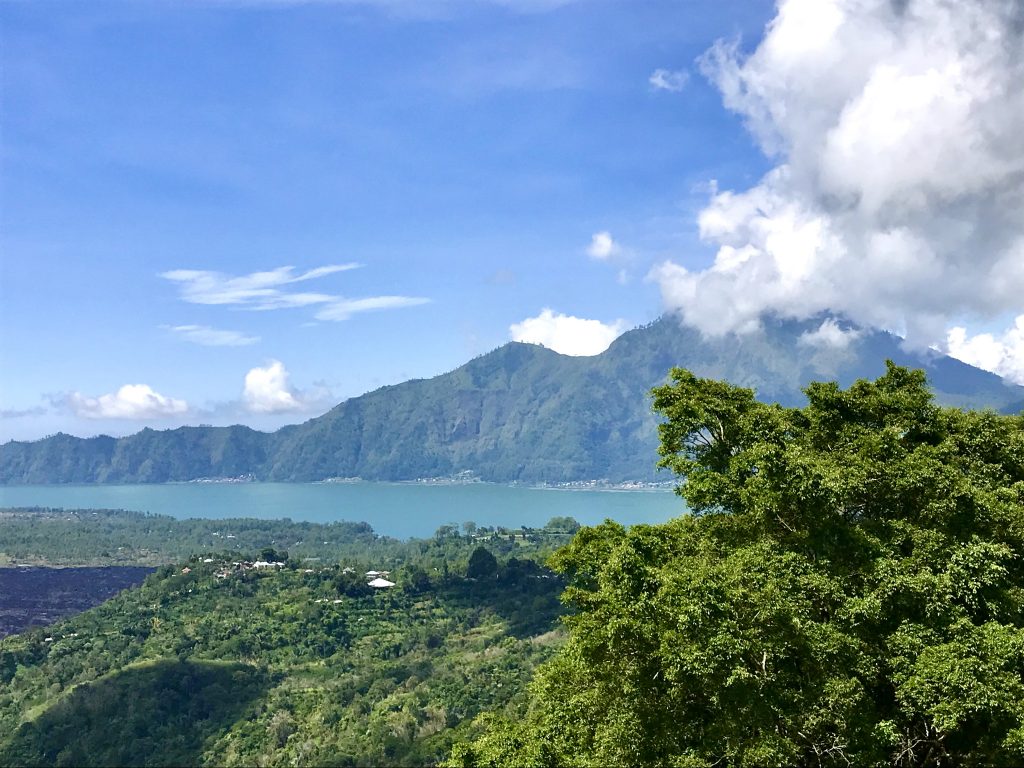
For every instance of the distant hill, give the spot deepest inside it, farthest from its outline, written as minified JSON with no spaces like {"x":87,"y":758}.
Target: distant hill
{"x":520,"y":413}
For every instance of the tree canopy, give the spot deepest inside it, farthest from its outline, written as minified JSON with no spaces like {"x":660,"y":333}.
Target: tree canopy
{"x":481,"y":564}
{"x":848,"y":590}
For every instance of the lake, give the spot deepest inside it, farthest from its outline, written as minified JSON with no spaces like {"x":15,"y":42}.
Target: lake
{"x":401,"y":510}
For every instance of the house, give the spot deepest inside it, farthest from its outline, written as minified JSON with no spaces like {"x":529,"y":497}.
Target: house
{"x":381,"y":583}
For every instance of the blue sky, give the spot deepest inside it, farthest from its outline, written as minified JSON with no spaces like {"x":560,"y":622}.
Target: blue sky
{"x":464,"y":154}
{"x":248,"y":210}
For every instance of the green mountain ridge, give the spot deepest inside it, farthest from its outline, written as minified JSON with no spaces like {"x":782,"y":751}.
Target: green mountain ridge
{"x":521,"y":413}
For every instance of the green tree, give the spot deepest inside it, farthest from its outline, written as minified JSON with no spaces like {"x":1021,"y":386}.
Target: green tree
{"x":562,"y":525}
{"x":417,"y":579}
{"x":482,"y":564}
{"x":271,"y":555}
{"x":449,"y":531}
{"x":848,"y":590}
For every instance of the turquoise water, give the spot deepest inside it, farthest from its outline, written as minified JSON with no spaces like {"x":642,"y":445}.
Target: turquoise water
{"x":401,"y":510}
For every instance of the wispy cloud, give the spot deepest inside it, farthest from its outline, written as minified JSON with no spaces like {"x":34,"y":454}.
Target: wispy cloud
{"x":257,"y":290}
{"x":132,"y":401}
{"x":567,"y":334}
{"x":669,"y":80}
{"x":342,"y":309}
{"x":266,"y":291}
{"x":20,"y":413}
{"x":502,"y":277}
{"x":211,"y":337}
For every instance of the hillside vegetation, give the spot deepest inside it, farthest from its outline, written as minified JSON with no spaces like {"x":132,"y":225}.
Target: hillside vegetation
{"x":218,"y":662}
{"x":520,"y":413}
{"x":97,"y":537}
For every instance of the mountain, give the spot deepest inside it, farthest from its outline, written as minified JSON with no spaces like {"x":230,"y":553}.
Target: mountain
{"x":519,"y":413}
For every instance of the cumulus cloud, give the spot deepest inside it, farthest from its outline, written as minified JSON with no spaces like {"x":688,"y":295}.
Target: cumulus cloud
{"x":1002,"y":354}
{"x":211,"y":337}
{"x":603,"y":247}
{"x":132,"y":401}
{"x":566,"y":334}
{"x":342,"y":309}
{"x":896,"y":197}
{"x":267,"y":390}
{"x":829,"y":335}
{"x":669,"y":80}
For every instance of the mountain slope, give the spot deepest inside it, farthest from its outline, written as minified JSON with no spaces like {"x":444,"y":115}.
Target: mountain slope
{"x":519,"y":413}
{"x":222,"y":664}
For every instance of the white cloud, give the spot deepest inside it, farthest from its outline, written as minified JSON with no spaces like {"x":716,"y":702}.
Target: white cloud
{"x":1003,"y":355}
{"x":267,"y":390}
{"x":262,"y":291}
{"x":132,"y":401}
{"x":211,"y":337}
{"x":829,"y":335}
{"x":603,"y":247}
{"x":669,"y":80}
{"x":257,"y":290}
{"x":566,"y":334}
{"x":342,"y":309}
{"x":896,"y":197}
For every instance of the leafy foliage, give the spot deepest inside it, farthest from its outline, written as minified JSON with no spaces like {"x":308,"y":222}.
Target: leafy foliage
{"x":850,"y":590}
{"x":154,"y":713}
{"x":43,"y":536}
{"x":214,"y":663}
{"x":520,"y":413}
{"x":482,"y":564}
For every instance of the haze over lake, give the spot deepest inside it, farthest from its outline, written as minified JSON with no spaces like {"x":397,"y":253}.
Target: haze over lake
{"x":401,"y":510}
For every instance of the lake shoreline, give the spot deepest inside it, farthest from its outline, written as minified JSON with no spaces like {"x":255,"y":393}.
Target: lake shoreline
{"x":571,"y":485}
{"x":397,"y":509}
